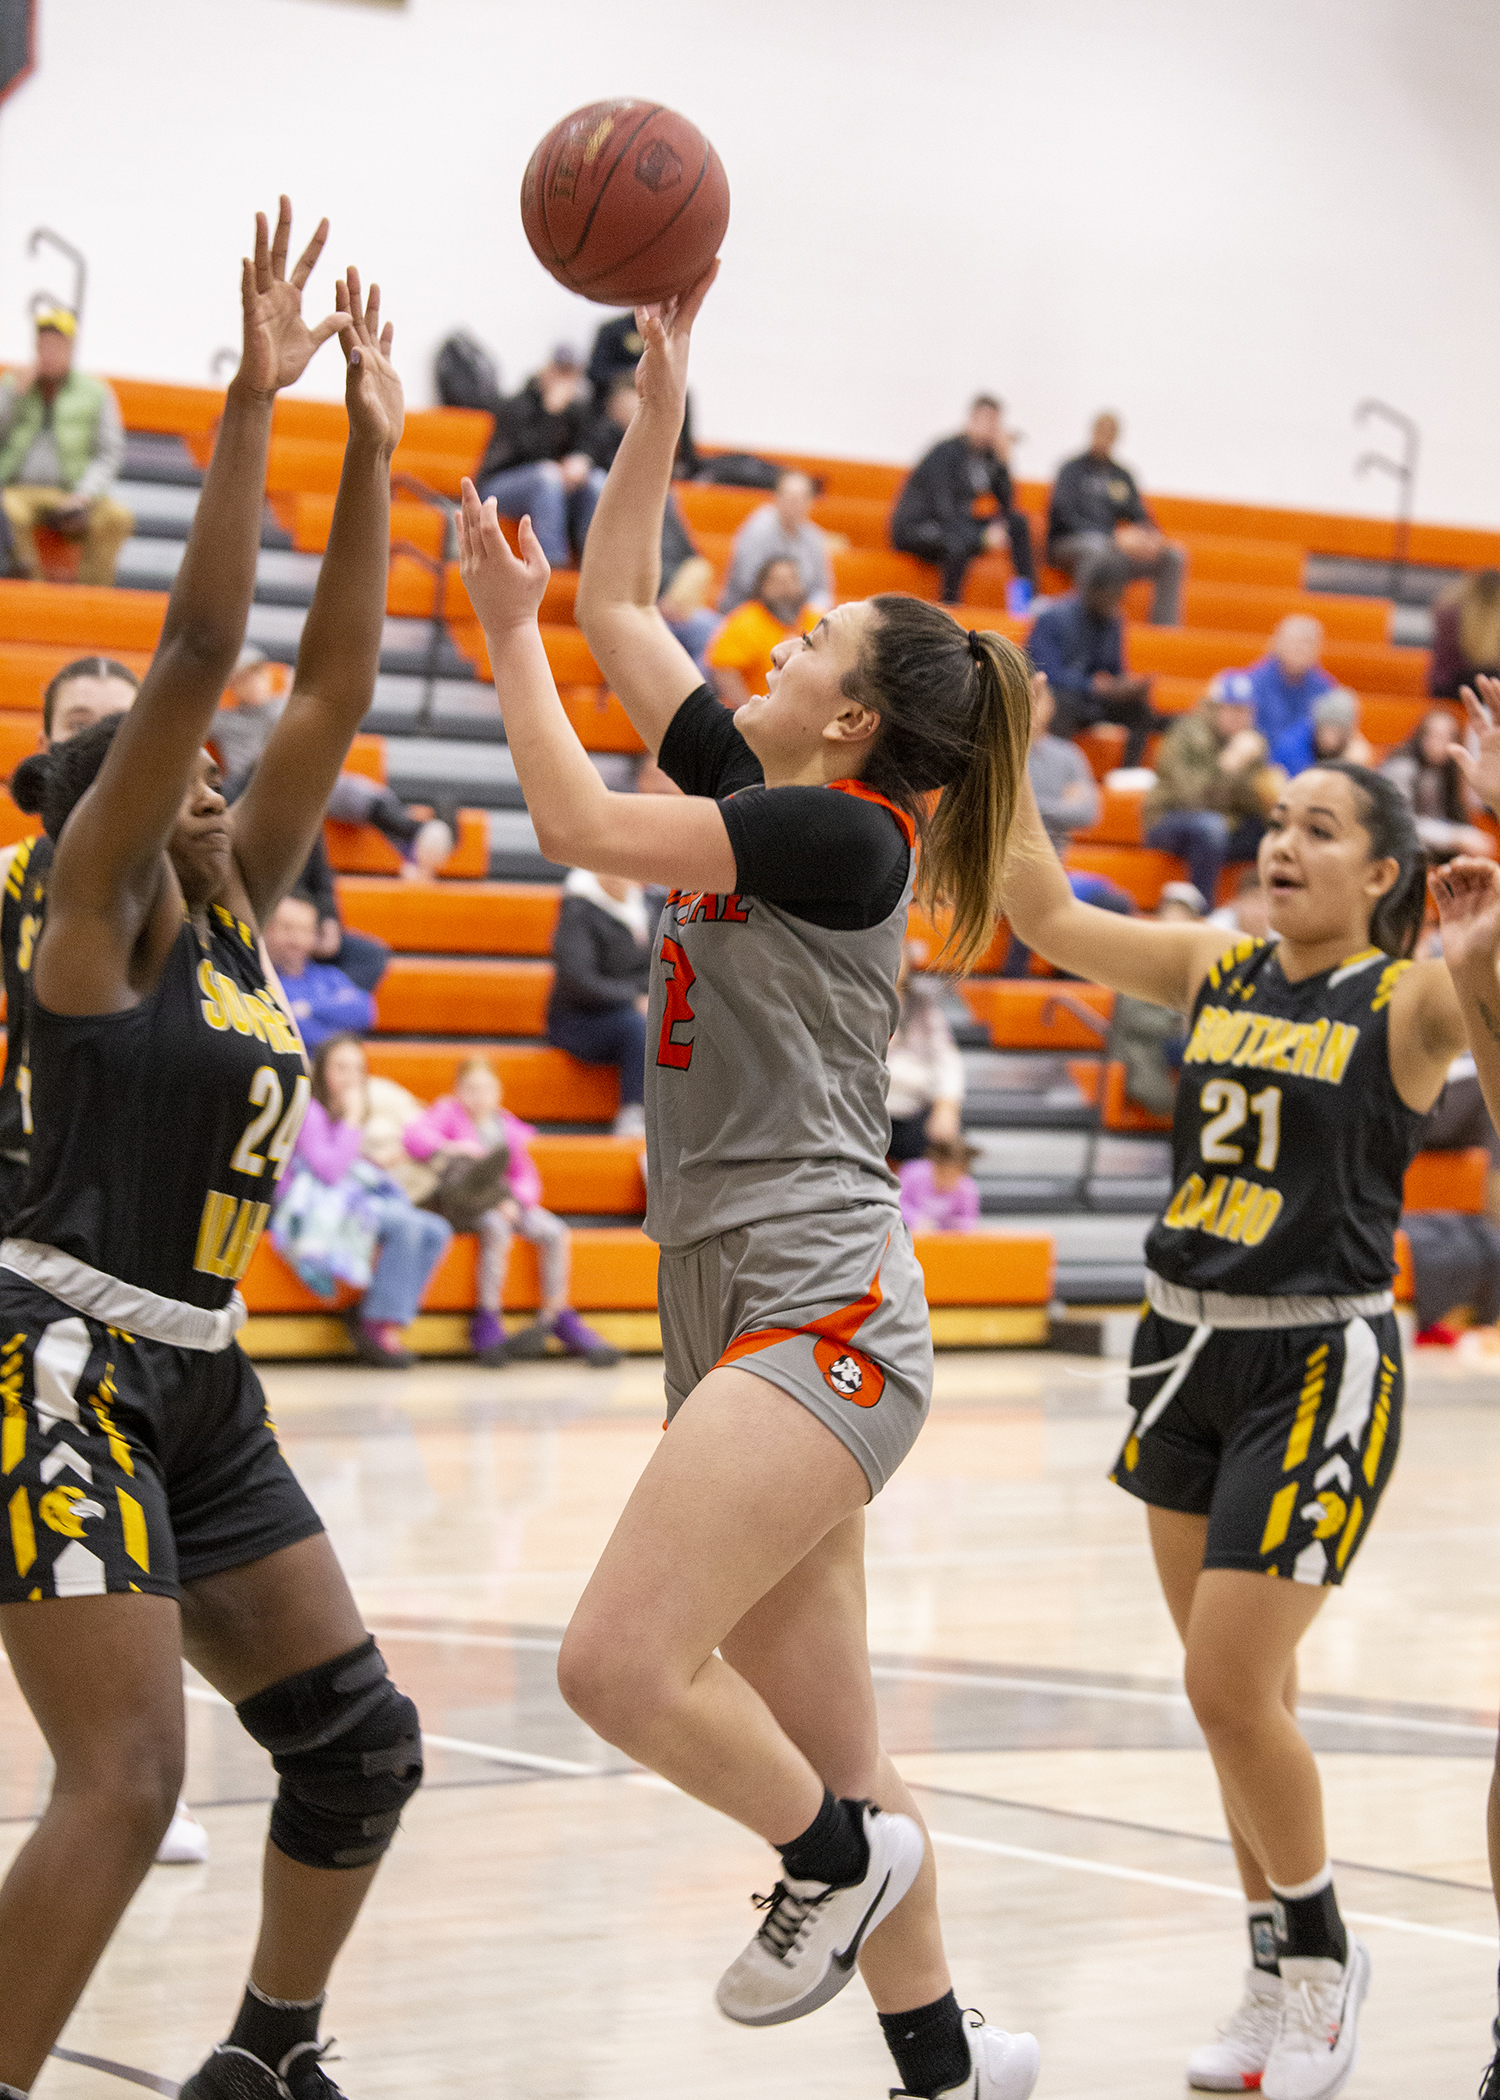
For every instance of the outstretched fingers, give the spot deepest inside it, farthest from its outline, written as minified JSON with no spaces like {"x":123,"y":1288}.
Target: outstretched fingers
{"x":307,"y":260}
{"x":261,"y":267}
{"x":685,"y":307}
{"x":283,"y":239}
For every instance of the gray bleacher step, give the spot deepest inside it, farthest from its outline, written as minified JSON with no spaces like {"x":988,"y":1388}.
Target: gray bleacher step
{"x":403,"y":644}
{"x":1028,"y":1170}
{"x":1100,"y":1260}
{"x":157,"y":456}
{"x":479,"y":775}
{"x":1098,"y":1283}
{"x":515,"y":855}
{"x":1010,"y":1090}
{"x":461,"y":707}
{"x":165,"y":511}
{"x":1417,"y":584}
{"x":282,"y":576}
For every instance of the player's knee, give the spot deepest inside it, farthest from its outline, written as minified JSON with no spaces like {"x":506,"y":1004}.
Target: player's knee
{"x":347,"y":1746}
{"x":606,"y":1680}
{"x":134,"y":1790}
{"x":1224,"y":1705}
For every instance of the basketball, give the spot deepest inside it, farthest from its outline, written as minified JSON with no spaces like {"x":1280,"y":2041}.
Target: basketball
{"x":625,"y":202}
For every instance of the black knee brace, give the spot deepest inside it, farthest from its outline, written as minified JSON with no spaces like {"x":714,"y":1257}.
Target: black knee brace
{"x":348,"y":1748}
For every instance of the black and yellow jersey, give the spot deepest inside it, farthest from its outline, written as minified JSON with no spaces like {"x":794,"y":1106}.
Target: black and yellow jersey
{"x":1290,"y":1143}
{"x":21,"y":912}
{"x":160,"y":1132}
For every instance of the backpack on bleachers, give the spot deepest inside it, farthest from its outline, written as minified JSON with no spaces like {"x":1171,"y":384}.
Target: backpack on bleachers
{"x":740,"y":470}
{"x":466,"y":375}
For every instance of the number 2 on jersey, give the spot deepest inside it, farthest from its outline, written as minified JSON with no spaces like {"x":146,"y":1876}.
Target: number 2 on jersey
{"x":677,"y":979}
{"x":265,"y":1094}
{"x":1230,"y":1107}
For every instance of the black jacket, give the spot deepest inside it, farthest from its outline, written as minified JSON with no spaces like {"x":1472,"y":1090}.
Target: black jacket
{"x":941,"y":490}
{"x":525,"y":433}
{"x":596,"y":960}
{"x":1093,"y":495}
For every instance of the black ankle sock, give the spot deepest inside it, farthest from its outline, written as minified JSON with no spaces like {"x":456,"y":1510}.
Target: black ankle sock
{"x":1310,"y":1925}
{"x":269,"y":2027}
{"x":930,"y":2047}
{"x":833,"y":1847}
{"x":1262,"y":1923}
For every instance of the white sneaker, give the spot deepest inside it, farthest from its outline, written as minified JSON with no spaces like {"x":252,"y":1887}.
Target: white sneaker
{"x":428,"y":850}
{"x":631,"y":1121}
{"x":1318,"y":2040}
{"x":805,"y":1952}
{"x":186,"y":1841}
{"x":1002,"y":2066}
{"x":1234,"y":2062}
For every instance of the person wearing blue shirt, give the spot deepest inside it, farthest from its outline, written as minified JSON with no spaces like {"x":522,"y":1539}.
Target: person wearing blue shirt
{"x":1284,"y":685}
{"x":1079,"y":644}
{"x":324,"y":1001}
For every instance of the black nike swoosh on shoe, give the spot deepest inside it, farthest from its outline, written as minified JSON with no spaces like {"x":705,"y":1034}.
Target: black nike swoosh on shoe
{"x":850,"y":1955}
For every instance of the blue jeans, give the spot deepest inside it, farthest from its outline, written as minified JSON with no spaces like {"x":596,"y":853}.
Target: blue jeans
{"x":612,"y":1035}
{"x":1206,"y":841}
{"x":558,"y":515}
{"x":695,"y":633}
{"x":412,"y":1243}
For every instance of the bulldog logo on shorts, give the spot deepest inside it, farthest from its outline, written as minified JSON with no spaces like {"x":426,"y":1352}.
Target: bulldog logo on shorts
{"x":849,"y":1373}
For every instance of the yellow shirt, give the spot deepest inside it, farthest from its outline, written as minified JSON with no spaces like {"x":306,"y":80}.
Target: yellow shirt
{"x":745,"y":641}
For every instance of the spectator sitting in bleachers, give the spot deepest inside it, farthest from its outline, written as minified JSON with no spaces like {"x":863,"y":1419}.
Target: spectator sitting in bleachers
{"x":616,"y":352}
{"x":342,"y":1219}
{"x":924,"y":1067}
{"x":601,"y":969}
{"x":471,"y":1124}
{"x":1068,"y":800}
{"x":958,"y":502}
{"x":1079,"y":643}
{"x":360,"y":956}
{"x":1455,"y":1255}
{"x":1096,"y":504}
{"x":61,"y":447}
{"x":1331,"y":732}
{"x":1213,"y":784}
{"x":538,"y":463}
{"x":255,"y":701}
{"x":739,"y":656}
{"x":1248,"y":911}
{"x":1442,"y":801}
{"x":324,"y":1001}
{"x":780,"y":530}
{"x":686,"y":577}
{"x":1285,"y":684}
{"x":1465,"y":634}
{"x":1148,"y":1039}
{"x":938,"y":1192}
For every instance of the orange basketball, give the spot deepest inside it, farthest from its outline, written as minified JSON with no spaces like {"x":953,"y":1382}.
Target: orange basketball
{"x":625,"y":202}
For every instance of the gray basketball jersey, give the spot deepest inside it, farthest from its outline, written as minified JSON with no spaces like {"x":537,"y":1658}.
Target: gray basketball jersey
{"x":766,"y":1043}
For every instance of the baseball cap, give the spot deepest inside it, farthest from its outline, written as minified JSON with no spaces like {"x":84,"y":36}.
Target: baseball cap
{"x":1184,"y":893}
{"x":1233,"y":688}
{"x":59,"y":318}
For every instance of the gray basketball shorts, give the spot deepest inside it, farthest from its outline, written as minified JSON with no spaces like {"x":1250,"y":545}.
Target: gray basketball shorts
{"x":830,"y":1306}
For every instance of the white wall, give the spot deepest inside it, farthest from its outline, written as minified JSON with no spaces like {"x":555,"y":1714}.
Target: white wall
{"x":1229,"y":218}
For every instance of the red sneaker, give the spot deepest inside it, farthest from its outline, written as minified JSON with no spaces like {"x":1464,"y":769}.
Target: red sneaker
{"x":1438,"y":1336}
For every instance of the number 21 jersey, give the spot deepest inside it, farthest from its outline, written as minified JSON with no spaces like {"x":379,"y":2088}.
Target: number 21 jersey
{"x":1290,"y":1143}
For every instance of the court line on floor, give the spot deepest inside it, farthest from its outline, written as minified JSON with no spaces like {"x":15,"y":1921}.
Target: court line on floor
{"x":1195,"y":1888}
{"x":918,"y":1673}
{"x":148,"y":2079}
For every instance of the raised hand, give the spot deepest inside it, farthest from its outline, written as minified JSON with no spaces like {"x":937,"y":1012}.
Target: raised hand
{"x":372,"y":392}
{"x":1467,"y":895}
{"x":279,"y":345}
{"x":661,"y":376}
{"x":1481,"y":766}
{"x":504,"y":590}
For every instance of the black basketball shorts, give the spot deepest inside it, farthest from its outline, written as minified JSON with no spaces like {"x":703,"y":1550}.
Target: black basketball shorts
{"x":1284,"y":1438}
{"x":128,"y":1464}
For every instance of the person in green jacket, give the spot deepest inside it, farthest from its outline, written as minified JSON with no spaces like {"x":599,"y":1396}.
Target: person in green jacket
{"x":61,"y":444}
{"x":1214,"y":783}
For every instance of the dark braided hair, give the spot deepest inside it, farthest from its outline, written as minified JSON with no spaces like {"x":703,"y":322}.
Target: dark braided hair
{"x":1385,"y":815}
{"x":52,"y":783}
{"x":955,"y":714}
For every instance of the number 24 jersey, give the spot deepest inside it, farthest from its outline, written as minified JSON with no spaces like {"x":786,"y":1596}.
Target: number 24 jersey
{"x":1290,"y":1143}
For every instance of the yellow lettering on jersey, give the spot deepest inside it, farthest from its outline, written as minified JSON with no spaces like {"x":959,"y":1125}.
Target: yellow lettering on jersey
{"x":1334,"y":1062}
{"x":228,"y":1231}
{"x":1255,"y":1029}
{"x":213,"y":1011}
{"x":1304,"y":1064}
{"x":1243,"y":1211}
{"x":1240,"y":1203}
{"x":1267,"y":1211}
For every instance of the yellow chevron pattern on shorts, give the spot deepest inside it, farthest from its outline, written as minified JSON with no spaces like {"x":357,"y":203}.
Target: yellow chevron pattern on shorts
{"x":1380,"y":1423}
{"x":22,"y":1531}
{"x":1299,"y":1443}
{"x":1283,"y":1502}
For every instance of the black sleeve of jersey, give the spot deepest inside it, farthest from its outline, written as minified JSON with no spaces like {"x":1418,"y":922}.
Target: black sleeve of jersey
{"x":831,"y":859}
{"x":704,"y":752}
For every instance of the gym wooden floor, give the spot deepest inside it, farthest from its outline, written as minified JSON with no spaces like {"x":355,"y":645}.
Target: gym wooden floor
{"x":551,"y":1923}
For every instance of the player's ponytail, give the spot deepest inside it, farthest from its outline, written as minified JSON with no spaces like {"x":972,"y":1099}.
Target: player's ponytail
{"x":955,"y":714}
{"x":51,"y":784}
{"x":1385,"y":815}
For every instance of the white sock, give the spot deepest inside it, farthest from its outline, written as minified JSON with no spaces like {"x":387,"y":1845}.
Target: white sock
{"x":11,"y":2092}
{"x":1294,"y":1892}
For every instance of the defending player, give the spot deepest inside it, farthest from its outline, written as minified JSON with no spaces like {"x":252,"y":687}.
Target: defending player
{"x":1467,"y":895}
{"x":722,"y":1638}
{"x":1267,"y":1378}
{"x":149,"y":1512}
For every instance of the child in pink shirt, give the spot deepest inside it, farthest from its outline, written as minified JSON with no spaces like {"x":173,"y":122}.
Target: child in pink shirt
{"x":467,"y":1124}
{"x":938,"y":1193}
